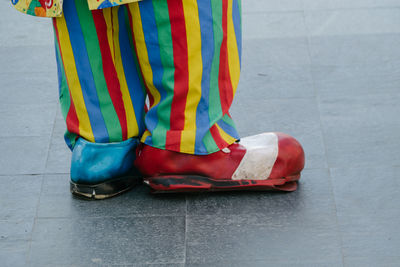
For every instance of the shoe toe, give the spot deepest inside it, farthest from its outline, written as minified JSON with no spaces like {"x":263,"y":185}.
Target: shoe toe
{"x":290,"y":160}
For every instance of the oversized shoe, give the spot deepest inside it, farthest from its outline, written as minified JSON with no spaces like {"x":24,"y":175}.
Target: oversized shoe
{"x":268,"y":161}
{"x":103,"y":170}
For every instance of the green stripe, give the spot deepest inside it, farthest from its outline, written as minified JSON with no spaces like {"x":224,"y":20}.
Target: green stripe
{"x":93,"y":49}
{"x":228,"y":121}
{"x":240,"y":10}
{"x":159,"y":135}
{"x":65,"y":98}
{"x":215,"y":110}
{"x":71,"y":139}
{"x":240,"y":13}
{"x":209,"y":143}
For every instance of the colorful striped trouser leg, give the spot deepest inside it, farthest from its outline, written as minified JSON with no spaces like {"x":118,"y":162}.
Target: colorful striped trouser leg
{"x":184,"y":53}
{"x":101,"y":92}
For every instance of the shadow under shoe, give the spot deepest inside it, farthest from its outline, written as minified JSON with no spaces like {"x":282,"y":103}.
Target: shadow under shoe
{"x":268,"y":161}
{"x":103,"y":170}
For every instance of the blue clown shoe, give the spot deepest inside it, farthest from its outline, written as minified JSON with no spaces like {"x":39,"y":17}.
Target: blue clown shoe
{"x":103,"y":170}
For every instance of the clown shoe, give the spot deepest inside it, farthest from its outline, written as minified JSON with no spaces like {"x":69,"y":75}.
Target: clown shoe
{"x":103,"y":170}
{"x":268,"y":161}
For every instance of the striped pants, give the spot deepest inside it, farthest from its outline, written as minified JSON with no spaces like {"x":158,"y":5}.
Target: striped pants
{"x":183,"y":55}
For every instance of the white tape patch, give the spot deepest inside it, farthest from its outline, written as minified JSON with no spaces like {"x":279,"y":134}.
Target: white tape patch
{"x":260,"y":157}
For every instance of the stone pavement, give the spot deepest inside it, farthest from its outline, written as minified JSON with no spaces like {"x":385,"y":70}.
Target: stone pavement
{"x":325,"y":71}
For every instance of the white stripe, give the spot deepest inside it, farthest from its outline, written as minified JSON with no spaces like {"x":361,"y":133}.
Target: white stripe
{"x":260,"y":157}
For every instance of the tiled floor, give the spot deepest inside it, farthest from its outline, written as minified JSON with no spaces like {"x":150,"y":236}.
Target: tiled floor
{"x":325,"y":71}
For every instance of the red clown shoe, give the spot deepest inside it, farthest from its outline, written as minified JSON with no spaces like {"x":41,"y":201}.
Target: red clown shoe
{"x":268,"y":161}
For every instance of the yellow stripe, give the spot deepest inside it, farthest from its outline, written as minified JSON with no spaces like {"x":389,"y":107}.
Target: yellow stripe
{"x":109,"y":23}
{"x":195,"y":63}
{"x":142,"y":51}
{"x":145,"y":135}
{"x":233,"y":52}
{"x":132,"y":126}
{"x":229,"y":139}
{"x":85,"y":129}
{"x":94,"y":4}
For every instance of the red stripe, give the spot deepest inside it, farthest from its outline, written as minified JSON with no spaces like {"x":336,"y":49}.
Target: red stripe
{"x":72,"y":120}
{"x":110,"y":74}
{"x":181,"y":75}
{"x":151,"y":99}
{"x":221,"y":143}
{"x":224,"y":79}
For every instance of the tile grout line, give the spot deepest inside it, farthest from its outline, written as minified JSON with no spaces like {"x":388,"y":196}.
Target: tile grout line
{"x":336,"y":217}
{"x":41,"y":189}
{"x":317,"y":98}
{"x":51,"y":138}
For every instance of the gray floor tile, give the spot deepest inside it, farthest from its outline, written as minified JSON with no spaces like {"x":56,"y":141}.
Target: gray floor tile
{"x":297,"y":117}
{"x":276,"y":52}
{"x":56,"y":201}
{"x":342,"y":83}
{"x":84,"y":241}
{"x":14,"y":254}
{"x":290,"y":209}
{"x":24,"y":59}
{"x":279,"y":69}
{"x":23,"y":155}
{"x":14,"y":242}
{"x":340,"y":4}
{"x":368,"y":213}
{"x":361,"y":131}
{"x":273,"y":25}
{"x":25,"y":29}
{"x":59,"y":159}
{"x":19,"y":196}
{"x":352,"y":21}
{"x":27,"y":120}
{"x":254,"y":6}
{"x":356,"y":65}
{"x":383,"y":261}
{"x":363,"y":51}
{"x":266,"y":263}
{"x":216,"y":238}
{"x":29,"y":88}
{"x":15,"y":230}
{"x":60,"y":126}
{"x":277,"y":82}
{"x":10,"y":14}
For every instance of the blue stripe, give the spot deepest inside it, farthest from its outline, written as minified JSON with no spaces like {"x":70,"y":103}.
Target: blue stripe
{"x":85,"y":73}
{"x":153,"y":50}
{"x":131,"y":74}
{"x":228,"y":128}
{"x":68,"y":141}
{"x":207,"y":51}
{"x":238,"y":26}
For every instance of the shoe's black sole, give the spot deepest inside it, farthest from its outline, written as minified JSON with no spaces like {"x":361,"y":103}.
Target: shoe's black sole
{"x":193,"y":183}
{"x":104,"y":190}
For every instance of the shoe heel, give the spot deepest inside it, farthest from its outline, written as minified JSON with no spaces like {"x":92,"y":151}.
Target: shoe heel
{"x":104,"y":190}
